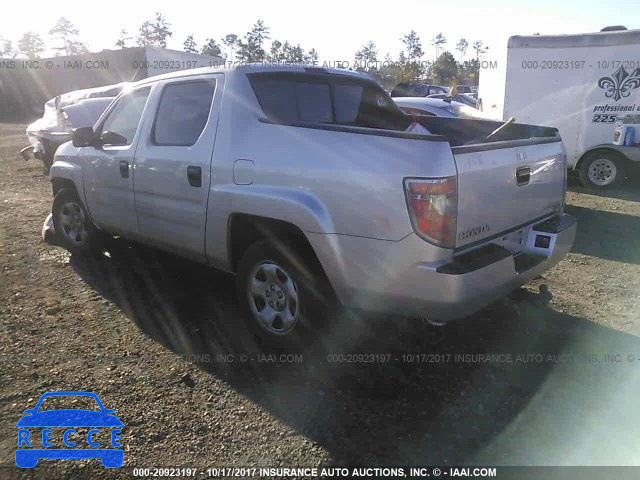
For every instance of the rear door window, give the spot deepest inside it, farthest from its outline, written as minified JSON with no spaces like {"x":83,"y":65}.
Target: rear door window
{"x":183,"y":112}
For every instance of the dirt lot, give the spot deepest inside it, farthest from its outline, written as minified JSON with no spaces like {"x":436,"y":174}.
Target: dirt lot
{"x":152,"y":335}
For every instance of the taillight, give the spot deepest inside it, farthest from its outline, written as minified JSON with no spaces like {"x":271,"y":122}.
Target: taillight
{"x":433,"y":207}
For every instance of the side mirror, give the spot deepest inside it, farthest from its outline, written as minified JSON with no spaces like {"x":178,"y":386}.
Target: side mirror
{"x":113,"y":138}
{"x":29,"y":410}
{"x":83,"y":137}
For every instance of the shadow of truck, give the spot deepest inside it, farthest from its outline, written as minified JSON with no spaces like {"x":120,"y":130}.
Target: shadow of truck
{"x":517,"y":383}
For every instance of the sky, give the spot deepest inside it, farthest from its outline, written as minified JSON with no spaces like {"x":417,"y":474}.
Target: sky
{"x":336,"y":29}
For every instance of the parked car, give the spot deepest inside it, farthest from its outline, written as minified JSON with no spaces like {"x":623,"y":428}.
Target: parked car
{"x":460,"y":98}
{"x":417,"y":90}
{"x":304,"y":183}
{"x":468,"y":89}
{"x":438,"y":107}
{"x":79,"y":108}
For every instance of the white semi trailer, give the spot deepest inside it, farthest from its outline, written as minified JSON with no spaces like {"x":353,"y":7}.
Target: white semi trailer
{"x":585,"y":85}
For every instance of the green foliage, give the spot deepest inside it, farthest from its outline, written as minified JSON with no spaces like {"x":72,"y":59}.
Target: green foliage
{"x":412,"y":68}
{"x":251,"y":48}
{"x":190,"y":45}
{"x":438,"y":42}
{"x":212,"y":48}
{"x":124,"y":38}
{"x":66,"y":36}
{"x":445,"y":69}
{"x":408,"y":66}
{"x":6,"y":49}
{"x":478,"y":46}
{"x":155,"y":33}
{"x":312,"y":56}
{"x":470,"y":71}
{"x":288,"y":53}
{"x":231,"y":41}
{"x":31,"y":45}
{"x":462,"y":46}
{"x":366,"y":59}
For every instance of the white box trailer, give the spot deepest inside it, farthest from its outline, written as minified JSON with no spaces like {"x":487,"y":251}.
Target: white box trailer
{"x":584,"y":85}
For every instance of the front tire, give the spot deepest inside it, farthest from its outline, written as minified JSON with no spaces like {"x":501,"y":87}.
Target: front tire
{"x":602,"y":170}
{"x":72,"y":224}
{"x":283,"y":295}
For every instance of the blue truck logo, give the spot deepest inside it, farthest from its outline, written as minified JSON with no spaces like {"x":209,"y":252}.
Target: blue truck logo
{"x":32,"y":447}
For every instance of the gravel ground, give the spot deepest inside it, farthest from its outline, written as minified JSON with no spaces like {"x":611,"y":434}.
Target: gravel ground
{"x":158,"y":340}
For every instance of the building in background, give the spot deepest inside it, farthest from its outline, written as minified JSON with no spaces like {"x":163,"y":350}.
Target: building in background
{"x":25,"y":85}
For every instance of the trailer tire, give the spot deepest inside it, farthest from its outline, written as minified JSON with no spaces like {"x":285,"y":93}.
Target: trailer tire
{"x":602,"y":169}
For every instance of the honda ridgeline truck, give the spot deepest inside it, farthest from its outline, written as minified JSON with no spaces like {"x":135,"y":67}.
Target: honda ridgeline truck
{"x":305,"y":184}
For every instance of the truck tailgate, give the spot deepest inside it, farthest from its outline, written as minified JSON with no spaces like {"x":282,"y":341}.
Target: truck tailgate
{"x":506,"y":185}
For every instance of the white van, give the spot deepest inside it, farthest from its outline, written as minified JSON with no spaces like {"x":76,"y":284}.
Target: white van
{"x":584,"y":85}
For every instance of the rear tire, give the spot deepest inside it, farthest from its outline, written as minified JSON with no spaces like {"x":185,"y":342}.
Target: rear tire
{"x":284,"y":297}
{"x":72,"y":224}
{"x":602,"y":170}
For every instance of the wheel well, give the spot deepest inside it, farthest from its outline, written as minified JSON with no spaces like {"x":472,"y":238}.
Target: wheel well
{"x":244,"y":230}
{"x":59,"y":183}
{"x":610,"y":151}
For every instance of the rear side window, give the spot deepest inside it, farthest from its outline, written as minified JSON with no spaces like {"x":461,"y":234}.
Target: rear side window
{"x":347,"y":99}
{"x":289,"y":101}
{"x":183,"y":112}
{"x":325,"y":99}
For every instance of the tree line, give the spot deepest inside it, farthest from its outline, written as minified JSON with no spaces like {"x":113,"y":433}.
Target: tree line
{"x":257,"y":45}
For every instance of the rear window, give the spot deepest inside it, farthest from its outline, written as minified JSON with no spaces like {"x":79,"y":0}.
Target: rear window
{"x":322,"y":99}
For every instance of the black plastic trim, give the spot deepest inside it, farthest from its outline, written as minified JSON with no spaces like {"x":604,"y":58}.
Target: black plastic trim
{"x":483,"y":147}
{"x":360,"y":130}
{"x":523,"y":262}
{"x":474,"y":260}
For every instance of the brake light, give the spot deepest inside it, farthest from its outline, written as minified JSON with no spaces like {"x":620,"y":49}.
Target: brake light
{"x":433,"y":208}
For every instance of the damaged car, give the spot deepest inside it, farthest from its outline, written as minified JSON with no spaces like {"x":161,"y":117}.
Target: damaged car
{"x":62,"y":114}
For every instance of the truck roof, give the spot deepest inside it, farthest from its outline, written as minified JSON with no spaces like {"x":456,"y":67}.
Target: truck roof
{"x":256,"y":67}
{"x":596,"y":39}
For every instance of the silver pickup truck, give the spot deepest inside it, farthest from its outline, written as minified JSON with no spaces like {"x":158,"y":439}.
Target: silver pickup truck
{"x":305,"y":184}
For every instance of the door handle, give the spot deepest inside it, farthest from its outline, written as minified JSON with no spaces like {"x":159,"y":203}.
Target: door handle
{"x":194,"y":175}
{"x":124,"y":169}
{"x":523,"y":175}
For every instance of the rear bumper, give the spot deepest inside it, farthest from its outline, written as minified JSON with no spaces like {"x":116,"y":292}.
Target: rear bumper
{"x":451,"y":289}
{"x":454,"y":294}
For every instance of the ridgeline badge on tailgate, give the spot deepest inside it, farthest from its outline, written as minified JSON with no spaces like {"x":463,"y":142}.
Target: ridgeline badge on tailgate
{"x":472,"y":232}
{"x":96,"y":421}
